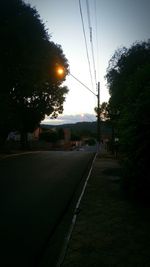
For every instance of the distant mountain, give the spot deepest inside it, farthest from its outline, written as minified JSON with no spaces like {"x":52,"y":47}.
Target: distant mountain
{"x":82,"y":127}
{"x":79,"y":126}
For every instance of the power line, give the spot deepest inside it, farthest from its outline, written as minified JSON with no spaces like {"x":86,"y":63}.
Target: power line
{"x":85,"y":39}
{"x":96,"y":34}
{"x":91,"y":39}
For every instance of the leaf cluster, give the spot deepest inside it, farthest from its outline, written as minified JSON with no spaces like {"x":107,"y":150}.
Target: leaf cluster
{"x":103,"y":111}
{"x":29,"y":84}
{"x":128,"y":78}
{"x":52,"y":135}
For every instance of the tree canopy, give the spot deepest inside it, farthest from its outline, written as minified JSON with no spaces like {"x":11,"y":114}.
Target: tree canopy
{"x":29,"y":84}
{"x":128,"y":79}
{"x":103,"y":111}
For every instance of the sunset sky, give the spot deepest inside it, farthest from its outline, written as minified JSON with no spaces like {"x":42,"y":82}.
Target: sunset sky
{"x":114,"y":23}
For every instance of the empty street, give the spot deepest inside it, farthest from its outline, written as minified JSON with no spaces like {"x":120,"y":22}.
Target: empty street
{"x":35,"y":190}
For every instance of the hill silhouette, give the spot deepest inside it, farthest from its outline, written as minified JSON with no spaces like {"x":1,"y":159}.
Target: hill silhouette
{"x":79,"y":127}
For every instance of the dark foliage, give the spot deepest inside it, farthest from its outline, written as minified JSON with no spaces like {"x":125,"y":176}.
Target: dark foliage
{"x":49,"y":136}
{"x":128,"y":79}
{"x":29,"y":84}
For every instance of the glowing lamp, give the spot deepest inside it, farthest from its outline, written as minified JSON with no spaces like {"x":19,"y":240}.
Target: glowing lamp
{"x":60,"y":71}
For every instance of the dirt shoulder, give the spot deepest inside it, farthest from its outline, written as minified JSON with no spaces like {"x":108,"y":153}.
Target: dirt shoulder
{"x":110,"y":231}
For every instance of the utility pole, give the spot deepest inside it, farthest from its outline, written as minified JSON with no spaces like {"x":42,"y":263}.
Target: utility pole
{"x":98,"y":115}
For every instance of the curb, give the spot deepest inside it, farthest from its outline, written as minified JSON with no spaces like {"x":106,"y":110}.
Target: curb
{"x":76,"y":211}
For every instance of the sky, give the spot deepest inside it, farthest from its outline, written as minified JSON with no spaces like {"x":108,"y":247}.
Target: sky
{"x":113,"y":24}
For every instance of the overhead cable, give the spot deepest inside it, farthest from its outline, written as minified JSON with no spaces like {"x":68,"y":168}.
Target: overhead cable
{"x":85,"y":39}
{"x":91,"y":39}
{"x":97,"y":42}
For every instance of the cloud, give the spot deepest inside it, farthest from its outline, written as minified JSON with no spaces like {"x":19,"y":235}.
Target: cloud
{"x":67,"y":119}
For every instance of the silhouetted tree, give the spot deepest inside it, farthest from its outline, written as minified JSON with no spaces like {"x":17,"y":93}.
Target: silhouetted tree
{"x":50,"y":136}
{"x":128,"y":79}
{"x":103,"y":111}
{"x":29,"y":84}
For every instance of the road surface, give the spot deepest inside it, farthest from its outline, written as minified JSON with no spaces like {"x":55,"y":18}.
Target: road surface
{"x":35,"y":189}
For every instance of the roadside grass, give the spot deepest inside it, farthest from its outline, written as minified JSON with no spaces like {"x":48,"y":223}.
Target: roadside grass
{"x":110,"y":230}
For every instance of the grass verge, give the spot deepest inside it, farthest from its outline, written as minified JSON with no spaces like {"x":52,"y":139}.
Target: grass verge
{"x":110,"y":231}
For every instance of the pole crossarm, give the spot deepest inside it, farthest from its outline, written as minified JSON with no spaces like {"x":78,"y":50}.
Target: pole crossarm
{"x":83,"y":84}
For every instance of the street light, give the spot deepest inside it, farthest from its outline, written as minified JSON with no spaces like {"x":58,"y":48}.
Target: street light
{"x":61,"y":71}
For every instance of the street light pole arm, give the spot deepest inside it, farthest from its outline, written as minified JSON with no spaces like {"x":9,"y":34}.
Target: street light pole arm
{"x":82,"y":84}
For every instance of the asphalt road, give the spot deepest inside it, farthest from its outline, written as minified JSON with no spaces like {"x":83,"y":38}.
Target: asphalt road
{"x":35,"y":189}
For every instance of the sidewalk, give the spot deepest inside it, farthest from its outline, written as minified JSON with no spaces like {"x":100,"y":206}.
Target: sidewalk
{"x":109,"y":231}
